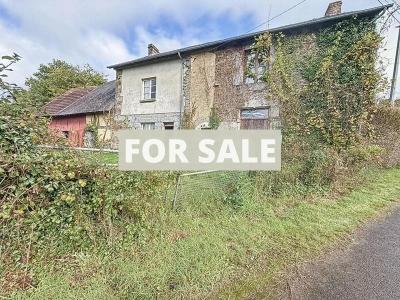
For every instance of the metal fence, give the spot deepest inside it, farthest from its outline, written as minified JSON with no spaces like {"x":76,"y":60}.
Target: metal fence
{"x":189,"y":189}
{"x":198,"y":188}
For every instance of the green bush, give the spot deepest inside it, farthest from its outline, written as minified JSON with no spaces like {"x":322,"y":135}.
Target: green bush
{"x":238,"y":191}
{"x":61,"y":200}
{"x":360,"y":154}
{"x":387,"y":133}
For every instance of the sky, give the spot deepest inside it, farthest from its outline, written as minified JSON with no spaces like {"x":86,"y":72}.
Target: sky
{"x":104,"y":32}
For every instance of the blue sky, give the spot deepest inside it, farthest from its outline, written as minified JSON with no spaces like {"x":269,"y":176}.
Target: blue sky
{"x":104,"y":32}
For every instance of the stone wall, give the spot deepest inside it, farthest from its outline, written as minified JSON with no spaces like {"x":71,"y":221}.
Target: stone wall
{"x":202,"y":86}
{"x":135,"y":121}
{"x":118,"y":97}
{"x":232,"y":93}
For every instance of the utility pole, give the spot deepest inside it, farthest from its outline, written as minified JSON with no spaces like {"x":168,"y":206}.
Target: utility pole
{"x":396,"y":71}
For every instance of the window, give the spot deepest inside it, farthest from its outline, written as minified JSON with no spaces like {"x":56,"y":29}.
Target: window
{"x":255,"y":118}
{"x":168,"y":125}
{"x":256,"y":67}
{"x":148,"y":126}
{"x":65,"y":134}
{"x":149,"y":89}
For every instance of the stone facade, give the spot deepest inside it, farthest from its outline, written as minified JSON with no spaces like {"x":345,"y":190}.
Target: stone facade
{"x":193,"y":86}
{"x":135,"y":121}
{"x":118,"y":96}
{"x":232,"y":93}
{"x":208,"y":80}
{"x":202,"y":87}
{"x":186,"y":83}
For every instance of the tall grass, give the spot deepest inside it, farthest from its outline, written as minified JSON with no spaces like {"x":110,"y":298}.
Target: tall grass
{"x":210,"y":249}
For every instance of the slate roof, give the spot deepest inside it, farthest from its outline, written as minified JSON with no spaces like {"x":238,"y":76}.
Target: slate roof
{"x":83,"y":101}
{"x":63,"y":101}
{"x":100,"y":99}
{"x":314,"y":24}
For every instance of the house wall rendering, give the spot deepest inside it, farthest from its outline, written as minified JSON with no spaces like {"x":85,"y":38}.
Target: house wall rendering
{"x":202,"y":88}
{"x":164,"y":108}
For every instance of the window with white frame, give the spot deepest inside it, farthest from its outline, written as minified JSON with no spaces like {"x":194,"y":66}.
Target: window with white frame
{"x":148,"y":126}
{"x":256,"y":67}
{"x":149,"y":88}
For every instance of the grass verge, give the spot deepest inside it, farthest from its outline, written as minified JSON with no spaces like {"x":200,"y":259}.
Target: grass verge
{"x":211,"y":250}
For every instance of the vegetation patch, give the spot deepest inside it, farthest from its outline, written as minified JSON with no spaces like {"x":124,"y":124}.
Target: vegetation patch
{"x":210,"y":249}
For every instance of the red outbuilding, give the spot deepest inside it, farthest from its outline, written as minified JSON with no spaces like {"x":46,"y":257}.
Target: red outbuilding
{"x":71,"y":126}
{"x":74,"y":110}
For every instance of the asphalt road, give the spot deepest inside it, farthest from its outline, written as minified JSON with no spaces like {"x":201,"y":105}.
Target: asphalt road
{"x":368,"y":269}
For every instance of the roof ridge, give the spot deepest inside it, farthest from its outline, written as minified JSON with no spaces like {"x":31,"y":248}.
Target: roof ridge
{"x":314,"y":21}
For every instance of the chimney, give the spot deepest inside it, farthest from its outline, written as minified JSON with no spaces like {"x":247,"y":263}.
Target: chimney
{"x":334,"y":9}
{"x":152,"y":49}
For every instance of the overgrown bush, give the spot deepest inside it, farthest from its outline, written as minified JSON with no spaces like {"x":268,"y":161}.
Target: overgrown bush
{"x":387,"y":133}
{"x":238,"y":191}
{"x":326,"y":84}
{"x":60,"y":200}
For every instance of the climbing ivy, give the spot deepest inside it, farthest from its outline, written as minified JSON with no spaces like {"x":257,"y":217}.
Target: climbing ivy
{"x":214,"y":120}
{"x":326,"y":82}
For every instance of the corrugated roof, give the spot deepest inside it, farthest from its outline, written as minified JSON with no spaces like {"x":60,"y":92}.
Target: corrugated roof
{"x":100,"y":99}
{"x":61,"y":102}
{"x":318,"y":23}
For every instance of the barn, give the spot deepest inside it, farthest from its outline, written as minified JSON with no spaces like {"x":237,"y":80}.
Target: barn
{"x":73,"y":112}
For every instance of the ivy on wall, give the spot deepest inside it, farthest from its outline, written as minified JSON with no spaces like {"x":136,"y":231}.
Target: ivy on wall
{"x":326,"y":82}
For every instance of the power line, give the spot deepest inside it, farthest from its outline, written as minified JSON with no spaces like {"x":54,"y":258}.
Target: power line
{"x":392,"y":14}
{"x":396,"y":10}
{"x":267,"y":22}
{"x":395,"y":2}
{"x":277,"y":16}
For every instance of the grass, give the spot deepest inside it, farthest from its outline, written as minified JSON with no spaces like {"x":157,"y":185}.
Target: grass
{"x":104,"y":157}
{"x":208,"y":249}
{"x":97,"y":157}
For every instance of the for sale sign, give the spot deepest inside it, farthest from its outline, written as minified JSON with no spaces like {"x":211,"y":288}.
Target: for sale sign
{"x":183,"y":150}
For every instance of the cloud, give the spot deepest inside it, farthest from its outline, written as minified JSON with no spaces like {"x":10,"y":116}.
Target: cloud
{"x":103,"y":32}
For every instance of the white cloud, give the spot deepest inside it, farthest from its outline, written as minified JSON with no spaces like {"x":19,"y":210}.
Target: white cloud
{"x":97,"y":31}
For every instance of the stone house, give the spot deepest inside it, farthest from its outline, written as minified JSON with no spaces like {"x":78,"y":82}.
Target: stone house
{"x":184,"y":88}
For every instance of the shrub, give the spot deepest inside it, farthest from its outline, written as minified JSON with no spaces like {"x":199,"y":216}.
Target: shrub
{"x":238,"y":191}
{"x":60,"y":200}
{"x":387,"y":133}
{"x":319,"y":168}
{"x":364,"y":153}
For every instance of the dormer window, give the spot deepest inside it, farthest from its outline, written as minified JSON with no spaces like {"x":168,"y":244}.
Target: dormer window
{"x":149,"y":89}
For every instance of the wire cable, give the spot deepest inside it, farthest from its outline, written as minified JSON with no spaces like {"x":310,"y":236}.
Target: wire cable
{"x":266,"y":22}
{"x":397,"y":6}
{"x":392,"y":15}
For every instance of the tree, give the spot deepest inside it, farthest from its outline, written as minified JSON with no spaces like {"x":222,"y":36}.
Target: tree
{"x":8,"y":90}
{"x":57,"y":77}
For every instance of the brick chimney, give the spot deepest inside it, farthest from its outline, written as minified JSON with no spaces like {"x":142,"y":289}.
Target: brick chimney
{"x":334,"y":9}
{"x":152,"y":49}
